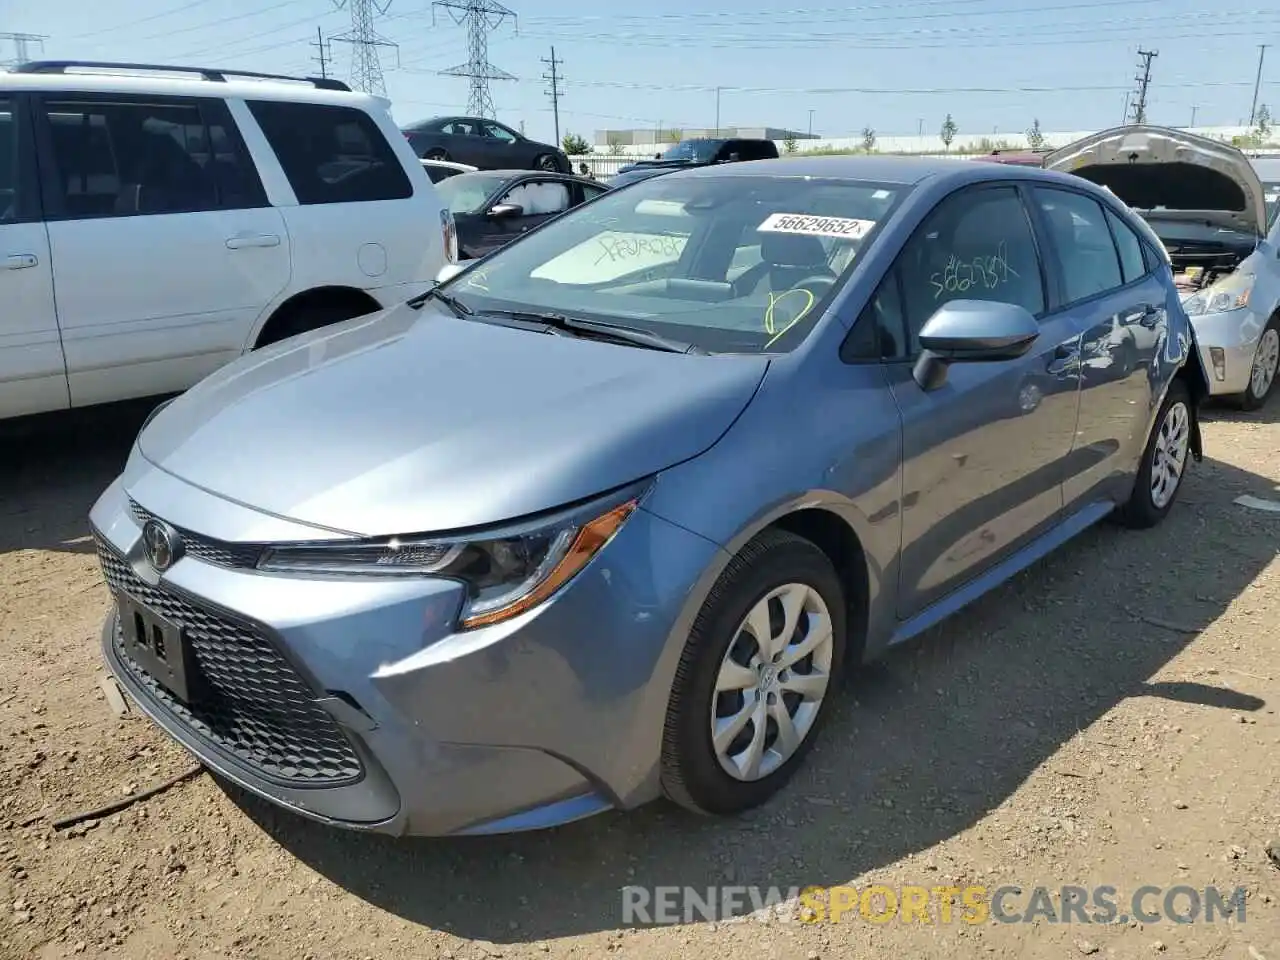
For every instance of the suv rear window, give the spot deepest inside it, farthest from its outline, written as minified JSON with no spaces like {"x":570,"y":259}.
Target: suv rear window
{"x":332,"y":154}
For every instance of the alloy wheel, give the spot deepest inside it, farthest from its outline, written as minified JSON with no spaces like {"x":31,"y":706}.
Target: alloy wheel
{"x":1170,"y":455}
{"x":1265,"y":361}
{"x":772,"y":682}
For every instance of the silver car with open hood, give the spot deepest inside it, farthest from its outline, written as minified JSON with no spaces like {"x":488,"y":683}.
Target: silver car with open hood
{"x":1207,"y":204}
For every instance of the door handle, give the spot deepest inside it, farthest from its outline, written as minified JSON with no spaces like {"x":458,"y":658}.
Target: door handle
{"x":1064,"y":355}
{"x":20,"y":261}
{"x":265,"y":240}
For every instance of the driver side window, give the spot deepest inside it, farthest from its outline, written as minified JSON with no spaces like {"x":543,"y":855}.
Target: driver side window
{"x":499,"y":133}
{"x":539,"y":199}
{"x":975,"y":245}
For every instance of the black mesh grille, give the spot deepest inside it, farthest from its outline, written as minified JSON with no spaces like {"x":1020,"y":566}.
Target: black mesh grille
{"x":204,"y":548}
{"x":254,"y":705}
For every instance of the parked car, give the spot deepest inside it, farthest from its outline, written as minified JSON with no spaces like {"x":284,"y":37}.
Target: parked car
{"x":1268,"y":170}
{"x":439,"y":170}
{"x":484,"y":144}
{"x":626,"y":497}
{"x":696,"y":152}
{"x":493,"y":207}
{"x":1020,"y":158}
{"x":187,"y":221}
{"x":1205,"y":201}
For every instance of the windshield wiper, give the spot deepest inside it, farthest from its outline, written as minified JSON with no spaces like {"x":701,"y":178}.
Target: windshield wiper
{"x":448,"y":299}
{"x":609,"y":331}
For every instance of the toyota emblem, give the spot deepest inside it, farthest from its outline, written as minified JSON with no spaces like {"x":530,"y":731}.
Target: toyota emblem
{"x":160,"y":543}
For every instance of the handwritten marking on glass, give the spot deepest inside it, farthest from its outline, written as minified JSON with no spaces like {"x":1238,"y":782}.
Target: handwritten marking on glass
{"x":982,"y":273}
{"x":613,"y":249}
{"x":839,"y":227}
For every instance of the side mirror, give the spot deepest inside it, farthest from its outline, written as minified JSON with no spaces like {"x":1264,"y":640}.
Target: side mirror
{"x":502,"y":210}
{"x":449,"y":271}
{"x":972,"y":331}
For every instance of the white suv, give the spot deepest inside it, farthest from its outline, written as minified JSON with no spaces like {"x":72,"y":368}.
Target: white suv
{"x":154,"y":227}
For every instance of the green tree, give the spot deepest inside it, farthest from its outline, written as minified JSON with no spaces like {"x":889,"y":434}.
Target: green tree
{"x":789,"y":143}
{"x":868,"y":139}
{"x":1035,"y":136}
{"x":575,"y":146}
{"x":675,"y":136}
{"x":615,"y":145}
{"x":948,"y":132}
{"x":1262,"y":128}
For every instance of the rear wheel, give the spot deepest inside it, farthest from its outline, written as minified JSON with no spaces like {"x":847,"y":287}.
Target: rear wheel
{"x":303,"y":320}
{"x":1266,"y":366}
{"x":1164,"y":462}
{"x":546,"y":162}
{"x":436,"y":153}
{"x":761,"y":665}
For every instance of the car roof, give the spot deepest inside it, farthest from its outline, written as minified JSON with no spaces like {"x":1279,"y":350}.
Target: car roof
{"x":519,"y":174}
{"x":882,"y":169}
{"x":301,"y":92}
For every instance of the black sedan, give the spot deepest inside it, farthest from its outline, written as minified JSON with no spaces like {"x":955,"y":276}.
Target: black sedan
{"x":493,"y":207}
{"x":482,"y":143}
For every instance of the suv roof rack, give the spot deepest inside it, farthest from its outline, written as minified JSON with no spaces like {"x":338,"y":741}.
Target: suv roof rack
{"x":206,"y":73}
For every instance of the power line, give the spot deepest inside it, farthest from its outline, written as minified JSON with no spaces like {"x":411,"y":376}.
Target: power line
{"x":554,"y":78}
{"x":366,"y":64}
{"x":480,"y":17}
{"x":1143,"y":81}
{"x":129,"y":24}
{"x":235,"y":18}
{"x":1253,"y":111}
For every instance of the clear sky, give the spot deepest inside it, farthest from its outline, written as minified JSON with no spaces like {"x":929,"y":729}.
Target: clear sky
{"x":894,"y":65}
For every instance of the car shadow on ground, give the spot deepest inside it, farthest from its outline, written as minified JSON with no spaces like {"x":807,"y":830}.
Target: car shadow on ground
{"x":54,"y":468}
{"x":924,"y":744}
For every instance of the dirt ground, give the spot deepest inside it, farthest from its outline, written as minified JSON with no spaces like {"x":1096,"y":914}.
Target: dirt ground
{"x":1107,"y":718}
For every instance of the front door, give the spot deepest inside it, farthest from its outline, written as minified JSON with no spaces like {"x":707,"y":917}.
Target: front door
{"x":165,"y":250}
{"x":539,"y":201}
{"x":984,"y":455}
{"x":32,"y":376}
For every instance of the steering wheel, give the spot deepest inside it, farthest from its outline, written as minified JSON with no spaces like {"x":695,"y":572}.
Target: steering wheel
{"x":788,"y":307}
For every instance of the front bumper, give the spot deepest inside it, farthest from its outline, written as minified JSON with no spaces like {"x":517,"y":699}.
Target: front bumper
{"x":1228,"y":343}
{"x":413,"y":729}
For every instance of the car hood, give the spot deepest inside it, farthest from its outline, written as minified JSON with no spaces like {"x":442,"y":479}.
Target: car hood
{"x":1168,"y":174}
{"x":635,"y":174}
{"x":408,"y":422}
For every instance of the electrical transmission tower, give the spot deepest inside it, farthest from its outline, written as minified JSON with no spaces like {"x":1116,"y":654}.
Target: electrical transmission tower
{"x":553,"y":77}
{"x":21,"y":47}
{"x":480,"y":17}
{"x":366,"y":65}
{"x":1143,"y":81}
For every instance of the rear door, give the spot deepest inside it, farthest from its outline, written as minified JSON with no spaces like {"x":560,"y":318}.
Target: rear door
{"x":164,"y":248}
{"x":1104,"y":287}
{"x":33,"y":378}
{"x":465,"y":144}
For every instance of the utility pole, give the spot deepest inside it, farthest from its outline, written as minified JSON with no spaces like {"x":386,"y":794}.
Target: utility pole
{"x":1253,"y":111}
{"x":717,"y":133}
{"x":21,"y":47}
{"x":322,"y":54}
{"x":553,"y":77}
{"x":1193,"y":115}
{"x":810,"y":124}
{"x":1143,"y":81}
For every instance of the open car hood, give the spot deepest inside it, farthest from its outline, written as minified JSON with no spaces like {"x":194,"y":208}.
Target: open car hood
{"x":1168,"y":174}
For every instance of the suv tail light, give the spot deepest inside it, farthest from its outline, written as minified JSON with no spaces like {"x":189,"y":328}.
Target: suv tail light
{"x":449,"y":232}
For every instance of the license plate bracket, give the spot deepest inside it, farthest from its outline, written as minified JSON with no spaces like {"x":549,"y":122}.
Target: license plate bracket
{"x":160,"y":647}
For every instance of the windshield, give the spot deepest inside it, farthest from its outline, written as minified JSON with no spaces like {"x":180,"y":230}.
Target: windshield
{"x":1272,"y":191}
{"x":467,"y":192}
{"x":729,"y":264}
{"x":695,"y":151}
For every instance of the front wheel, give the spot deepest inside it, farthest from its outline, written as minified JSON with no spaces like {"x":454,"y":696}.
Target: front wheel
{"x":1164,"y":462}
{"x":1266,"y":364}
{"x":762,"y":662}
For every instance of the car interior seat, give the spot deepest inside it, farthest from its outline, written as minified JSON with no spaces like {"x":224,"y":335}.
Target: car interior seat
{"x":787,"y":261}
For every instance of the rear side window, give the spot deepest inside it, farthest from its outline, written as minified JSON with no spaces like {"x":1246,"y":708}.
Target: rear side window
{"x":1078,"y":227}
{"x":1132,"y":263}
{"x":332,"y":154}
{"x":8,"y":163}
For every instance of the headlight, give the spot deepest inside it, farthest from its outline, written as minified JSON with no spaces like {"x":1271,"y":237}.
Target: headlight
{"x":506,"y":571}
{"x":1230,"y":293}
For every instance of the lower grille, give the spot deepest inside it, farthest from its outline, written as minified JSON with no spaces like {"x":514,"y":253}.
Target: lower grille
{"x":254,"y":706}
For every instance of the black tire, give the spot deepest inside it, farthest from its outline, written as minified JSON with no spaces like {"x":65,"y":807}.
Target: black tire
{"x":304,"y":320}
{"x":436,"y":153}
{"x":1251,"y":399}
{"x":1141,"y":511}
{"x":691,"y":774}
{"x":545,"y":161}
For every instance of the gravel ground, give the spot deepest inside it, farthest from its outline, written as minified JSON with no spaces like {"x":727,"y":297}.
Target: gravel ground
{"x":1107,"y":718}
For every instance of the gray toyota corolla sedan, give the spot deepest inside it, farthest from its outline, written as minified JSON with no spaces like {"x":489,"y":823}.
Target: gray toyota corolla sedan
{"x":608,"y":514}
